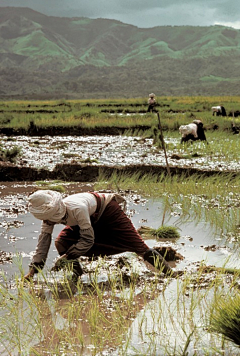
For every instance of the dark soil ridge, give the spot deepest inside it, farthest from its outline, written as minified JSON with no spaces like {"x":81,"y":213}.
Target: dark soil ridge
{"x":89,"y":173}
{"x":34,"y":130}
{"x":67,"y":131}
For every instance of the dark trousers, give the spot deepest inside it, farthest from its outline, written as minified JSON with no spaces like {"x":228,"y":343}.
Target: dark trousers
{"x":114,"y":233}
{"x":151,"y":108}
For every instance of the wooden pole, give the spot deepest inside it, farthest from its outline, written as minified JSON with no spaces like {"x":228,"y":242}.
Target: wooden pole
{"x":163,"y":144}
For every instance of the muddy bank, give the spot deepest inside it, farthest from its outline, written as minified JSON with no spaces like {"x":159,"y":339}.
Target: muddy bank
{"x":90,"y":173}
{"x":34,"y":130}
{"x":64,"y":131}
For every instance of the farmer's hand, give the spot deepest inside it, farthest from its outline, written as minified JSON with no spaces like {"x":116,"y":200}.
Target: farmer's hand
{"x":29,"y":276}
{"x":60,"y":263}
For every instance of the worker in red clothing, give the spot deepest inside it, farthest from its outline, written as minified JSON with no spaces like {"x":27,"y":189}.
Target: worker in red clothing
{"x":95,"y":225}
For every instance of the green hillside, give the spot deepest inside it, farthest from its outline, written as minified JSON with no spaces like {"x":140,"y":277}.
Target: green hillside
{"x":81,"y":57}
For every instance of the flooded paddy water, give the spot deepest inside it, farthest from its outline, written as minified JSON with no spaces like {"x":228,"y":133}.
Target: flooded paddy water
{"x":166,"y":316}
{"x":48,"y":151}
{"x":164,"y":321}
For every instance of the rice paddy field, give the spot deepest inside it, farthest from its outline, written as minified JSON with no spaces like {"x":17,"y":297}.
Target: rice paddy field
{"x":122,"y":305}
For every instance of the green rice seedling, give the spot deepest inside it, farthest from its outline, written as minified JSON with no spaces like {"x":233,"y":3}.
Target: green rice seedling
{"x":52,"y":185}
{"x":163,"y":232}
{"x":174,"y":111}
{"x":225,"y":318}
{"x":19,"y":305}
{"x":213,"y":199}
{"x":96,"y":321}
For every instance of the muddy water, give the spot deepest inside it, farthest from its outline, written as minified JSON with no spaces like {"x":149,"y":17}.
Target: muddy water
{"x":19,"y":231}
{"x":164,"y":331}
{"x":198,"y":242}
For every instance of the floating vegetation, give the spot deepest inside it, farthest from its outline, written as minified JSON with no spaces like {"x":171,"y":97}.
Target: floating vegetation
{"x":163,"y":232}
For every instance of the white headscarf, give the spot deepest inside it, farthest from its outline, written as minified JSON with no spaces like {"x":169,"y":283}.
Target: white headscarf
{"x":47,"y":205}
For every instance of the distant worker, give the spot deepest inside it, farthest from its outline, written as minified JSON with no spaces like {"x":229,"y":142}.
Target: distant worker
{"x":151,"y":103}
{"x":219,"y":110}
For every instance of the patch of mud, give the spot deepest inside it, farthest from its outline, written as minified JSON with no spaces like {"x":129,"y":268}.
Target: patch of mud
{"x":87,"y":172}
{"x":5,"y":257}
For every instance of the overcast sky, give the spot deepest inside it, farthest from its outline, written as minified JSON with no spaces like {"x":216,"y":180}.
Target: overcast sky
{"x":142,"y":13}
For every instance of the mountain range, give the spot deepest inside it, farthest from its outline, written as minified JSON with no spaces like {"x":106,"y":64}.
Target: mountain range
{"x":59,"y":57}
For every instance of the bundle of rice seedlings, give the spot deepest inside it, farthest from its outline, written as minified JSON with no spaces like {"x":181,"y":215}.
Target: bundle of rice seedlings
{"x":163,"y":232}
{"x":225,"y":319}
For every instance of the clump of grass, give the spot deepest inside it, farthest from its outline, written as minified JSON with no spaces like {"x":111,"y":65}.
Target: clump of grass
{"x":163,"y":232}
{"x":225,"y":319}
{"x":10,"y":155}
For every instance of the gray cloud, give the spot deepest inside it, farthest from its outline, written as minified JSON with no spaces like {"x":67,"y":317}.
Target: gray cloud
{"x":140,"y":12}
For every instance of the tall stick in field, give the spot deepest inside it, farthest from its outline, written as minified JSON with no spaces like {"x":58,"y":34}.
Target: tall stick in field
{"x":163,"y":144}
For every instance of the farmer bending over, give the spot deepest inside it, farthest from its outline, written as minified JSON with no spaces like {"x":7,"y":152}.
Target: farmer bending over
{"x":95,"y":224}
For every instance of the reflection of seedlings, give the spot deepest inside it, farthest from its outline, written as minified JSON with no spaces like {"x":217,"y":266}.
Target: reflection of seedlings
{"x":232,"y":236}
{"x":163,"y":232}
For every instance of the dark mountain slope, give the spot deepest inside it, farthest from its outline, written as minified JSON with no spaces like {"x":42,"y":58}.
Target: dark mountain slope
{"x":77,"y":57}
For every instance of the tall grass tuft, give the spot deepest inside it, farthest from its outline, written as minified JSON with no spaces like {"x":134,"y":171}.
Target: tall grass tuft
{"x":10,"y":155}
{"x":225,"y":318}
